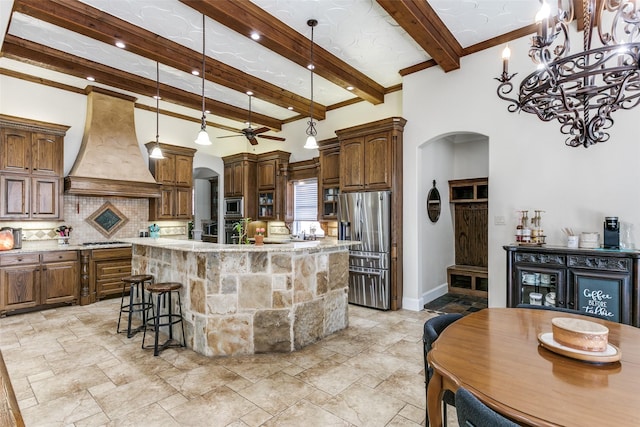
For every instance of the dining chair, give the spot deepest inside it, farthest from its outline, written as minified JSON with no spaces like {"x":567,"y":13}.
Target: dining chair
{"x":558,"y":309}
{"x":473,"y":413}
{"x":432,"y":329}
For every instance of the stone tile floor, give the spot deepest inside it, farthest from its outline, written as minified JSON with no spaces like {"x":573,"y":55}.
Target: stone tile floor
{"x":456,"y":303}
{"x":69,"y":368}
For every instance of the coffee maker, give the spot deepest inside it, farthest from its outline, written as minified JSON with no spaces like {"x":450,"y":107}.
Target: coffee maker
{"x":611,"y":233}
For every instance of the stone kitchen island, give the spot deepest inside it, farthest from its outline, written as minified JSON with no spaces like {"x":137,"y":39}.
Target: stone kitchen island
{"x":246,"y":299}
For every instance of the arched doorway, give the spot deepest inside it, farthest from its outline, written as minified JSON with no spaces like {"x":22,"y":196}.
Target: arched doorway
{"x":448,"y":157}
{"x":205,"y":203}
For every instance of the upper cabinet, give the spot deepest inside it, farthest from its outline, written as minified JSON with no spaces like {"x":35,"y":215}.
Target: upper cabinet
{"x":240,"y":180}
{"x":329,"y":182}
{"x":272,"y":185}
{"x":31,"y":169}
{"x":368,"y":155}
{"x":175,"y":173}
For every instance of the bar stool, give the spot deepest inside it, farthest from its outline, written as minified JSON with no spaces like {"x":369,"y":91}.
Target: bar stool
{"x":135,"y":303}
{"x":168,"y":318}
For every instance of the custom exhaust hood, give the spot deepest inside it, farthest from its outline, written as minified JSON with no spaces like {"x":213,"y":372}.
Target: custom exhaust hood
{"x":110,"y":162}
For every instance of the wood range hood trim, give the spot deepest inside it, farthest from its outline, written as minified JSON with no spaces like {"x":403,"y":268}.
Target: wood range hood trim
{"x":110,"y":149}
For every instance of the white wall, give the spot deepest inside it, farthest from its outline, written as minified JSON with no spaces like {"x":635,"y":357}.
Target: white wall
{"x":529,"y":165}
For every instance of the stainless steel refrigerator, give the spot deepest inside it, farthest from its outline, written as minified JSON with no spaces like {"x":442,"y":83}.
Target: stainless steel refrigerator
{"x":366,"y":217}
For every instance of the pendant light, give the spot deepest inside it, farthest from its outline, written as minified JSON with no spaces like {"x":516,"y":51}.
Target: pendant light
{"x":156,"y":153}
{"x":311,"y":130}
{"x":203,"y":136}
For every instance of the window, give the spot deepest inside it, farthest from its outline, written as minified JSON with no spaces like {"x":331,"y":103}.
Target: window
{"x":305,"y":208}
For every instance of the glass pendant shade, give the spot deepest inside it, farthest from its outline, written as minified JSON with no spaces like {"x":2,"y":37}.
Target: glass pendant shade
{"x":311,"y":143}
{"x":156,"y":153}
{"x":203,"y":137}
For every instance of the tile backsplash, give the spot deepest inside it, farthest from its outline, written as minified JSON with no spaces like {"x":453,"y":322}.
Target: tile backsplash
{"x":78,"y":208}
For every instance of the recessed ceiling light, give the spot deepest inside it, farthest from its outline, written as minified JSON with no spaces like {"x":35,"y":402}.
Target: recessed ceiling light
{"x":289,"y":108}
{"x":91,"y":79}
{"x":255,"y":36}
{"x":120,"y":44}
{"x":349,"y":87}
{"x":207,"y":111}
{"x":249,"y":93}
{"x":195,"y":72}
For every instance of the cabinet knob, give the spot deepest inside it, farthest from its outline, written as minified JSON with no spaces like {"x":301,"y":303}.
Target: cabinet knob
{"x":19,"y":259}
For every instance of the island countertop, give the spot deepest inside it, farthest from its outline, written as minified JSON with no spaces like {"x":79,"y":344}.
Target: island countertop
{"x":199,"y":246}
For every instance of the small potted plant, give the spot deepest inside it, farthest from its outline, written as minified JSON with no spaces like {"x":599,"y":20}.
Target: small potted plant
{"x":259,"y":237}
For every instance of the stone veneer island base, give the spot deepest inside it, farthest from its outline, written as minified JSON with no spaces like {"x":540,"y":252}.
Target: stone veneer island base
{"x":246,"y":299}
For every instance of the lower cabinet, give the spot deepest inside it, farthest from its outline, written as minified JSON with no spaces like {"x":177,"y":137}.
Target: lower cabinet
{"x":102,"y":271}
{"x":36,"y":280}
{"x":601,"y":282}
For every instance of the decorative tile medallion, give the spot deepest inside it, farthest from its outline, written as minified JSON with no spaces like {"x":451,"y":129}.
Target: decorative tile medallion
{"x":107,"y":219}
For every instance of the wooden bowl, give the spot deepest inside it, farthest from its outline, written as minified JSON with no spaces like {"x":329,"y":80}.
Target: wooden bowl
{"x":580,"y":334}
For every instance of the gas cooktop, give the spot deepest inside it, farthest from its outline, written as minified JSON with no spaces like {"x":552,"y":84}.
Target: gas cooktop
{"x":102,"y":243}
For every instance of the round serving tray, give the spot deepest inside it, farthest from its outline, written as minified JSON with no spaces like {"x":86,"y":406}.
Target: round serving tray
{"x":611,"y":354}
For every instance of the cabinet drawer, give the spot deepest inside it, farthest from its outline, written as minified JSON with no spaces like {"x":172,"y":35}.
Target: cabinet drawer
{"x":59,"y":256}
{"x":20,"y":259}
{"x":113,"y":253}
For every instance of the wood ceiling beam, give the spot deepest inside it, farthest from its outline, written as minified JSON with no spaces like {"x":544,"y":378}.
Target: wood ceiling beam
{"x":88,"y":21}
{"x":56,"y":60}
{"x":424,"y":25}
{"x":245,"y":17}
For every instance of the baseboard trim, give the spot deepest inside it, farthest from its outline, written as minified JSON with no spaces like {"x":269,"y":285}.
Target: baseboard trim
{"x":417,"y":304}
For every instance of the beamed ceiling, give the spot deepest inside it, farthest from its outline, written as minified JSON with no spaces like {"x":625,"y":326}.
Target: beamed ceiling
{"x":368,"y":45}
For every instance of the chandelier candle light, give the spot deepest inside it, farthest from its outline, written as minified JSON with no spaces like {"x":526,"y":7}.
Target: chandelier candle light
{"x":311,"y":142}
{"x":582,"y":90}
{"x":203,"y":136}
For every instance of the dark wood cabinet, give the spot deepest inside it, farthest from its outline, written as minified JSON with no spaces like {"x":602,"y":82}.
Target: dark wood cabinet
{"x":272,"y":185}
{"x":31,"y":168}
{"x":371,"y":160}
{"x":469,"y":199}
{"x":102,"y":271}
{"x":240,"y":180}
{"x":367,"y":161}
{"x":175,"y":173}
{"x":601,"y":282}
{"x":329,"y":180}
{"x":38,"y":280}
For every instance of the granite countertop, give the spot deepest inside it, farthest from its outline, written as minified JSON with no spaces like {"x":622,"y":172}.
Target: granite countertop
{"x":52,"y":245}
{"x":198,"y":246}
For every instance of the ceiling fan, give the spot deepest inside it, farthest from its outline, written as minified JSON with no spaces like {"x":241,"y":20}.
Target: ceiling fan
{"x":251,"y":133}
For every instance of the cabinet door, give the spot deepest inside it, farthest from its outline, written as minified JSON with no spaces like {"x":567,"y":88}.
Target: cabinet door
{"x":330,"y":167}
{"x":165,"y":203}
{"x":165,"y":169}
{"x":46,"y":154}
{"x":45,"y":198}
{"x":19,"y":287}
{"x":60,"y":282}
{"x":228,"y":180}
{"x":352,"y":164}
{"x":238,"y":179}
{"x":14,"y":196}
{"x":15,"y":150}
{"x":550,"y":283}
{"x":183,"y":203}
{"x":184,"y":170}
{"x":604,"y":293}
{"x":267,"y":173}
{"x":377,"y":161}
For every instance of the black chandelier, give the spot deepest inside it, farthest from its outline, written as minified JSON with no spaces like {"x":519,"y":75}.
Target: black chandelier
{"x":582,"y":90}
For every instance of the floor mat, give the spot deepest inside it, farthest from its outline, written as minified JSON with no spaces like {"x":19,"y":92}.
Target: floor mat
{"x":456,"y":303}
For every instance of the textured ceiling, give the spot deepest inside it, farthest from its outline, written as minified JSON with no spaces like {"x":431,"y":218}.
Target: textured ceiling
{"x":359,"y":32}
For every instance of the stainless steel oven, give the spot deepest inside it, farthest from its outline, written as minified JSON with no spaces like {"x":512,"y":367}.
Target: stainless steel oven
{"x":234,"y":207}
{"x":230,"y":236}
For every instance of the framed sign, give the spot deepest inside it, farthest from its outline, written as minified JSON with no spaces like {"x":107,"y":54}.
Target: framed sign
{"x":605,"y":297}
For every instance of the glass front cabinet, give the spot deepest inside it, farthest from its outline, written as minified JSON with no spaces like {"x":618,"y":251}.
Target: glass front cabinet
{"x":600,"y":282}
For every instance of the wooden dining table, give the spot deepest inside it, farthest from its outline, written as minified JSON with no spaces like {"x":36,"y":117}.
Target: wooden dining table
{"x":495,"y":354}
